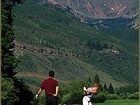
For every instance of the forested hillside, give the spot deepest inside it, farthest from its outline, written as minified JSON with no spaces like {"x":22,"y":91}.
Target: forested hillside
{"x":49,"y":38}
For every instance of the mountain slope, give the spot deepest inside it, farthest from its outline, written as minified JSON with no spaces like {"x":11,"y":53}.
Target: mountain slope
{"x":99,"y":9}
{"x":49,"y":38}
{"x":99,"y":13}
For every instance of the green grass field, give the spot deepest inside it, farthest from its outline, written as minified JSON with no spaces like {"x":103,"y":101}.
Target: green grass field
{"x":119,"y":102}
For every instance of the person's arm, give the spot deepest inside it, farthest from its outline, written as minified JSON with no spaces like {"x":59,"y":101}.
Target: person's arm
{"x":39,"y":92}
{"x":94,"y":92}
{"x":56,"y":91}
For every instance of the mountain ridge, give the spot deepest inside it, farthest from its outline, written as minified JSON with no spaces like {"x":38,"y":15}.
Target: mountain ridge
{"x":91,"y":11}
{"x":96,"y":8}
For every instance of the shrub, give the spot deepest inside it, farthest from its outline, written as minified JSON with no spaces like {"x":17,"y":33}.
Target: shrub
{"x":99,"y":98}
{"x":112,"y":96}
{"x":73,"y":98}
{"x":39,"y":101}
{"x":134,"y":95}
{"x":8,"y":95}
{"x":65,"y":99}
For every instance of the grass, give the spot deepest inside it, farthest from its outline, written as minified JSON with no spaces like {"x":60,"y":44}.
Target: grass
{"x":118,"y":102}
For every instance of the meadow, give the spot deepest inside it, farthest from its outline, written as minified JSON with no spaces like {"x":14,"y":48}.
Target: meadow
{"x":119,"y":102}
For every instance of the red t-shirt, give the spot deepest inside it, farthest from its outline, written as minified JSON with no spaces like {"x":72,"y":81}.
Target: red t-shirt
{"x":49,"y":85}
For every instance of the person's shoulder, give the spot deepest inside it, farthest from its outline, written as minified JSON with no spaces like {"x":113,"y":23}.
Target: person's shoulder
{"x":44,"y":80}
{"x":55,"y":79}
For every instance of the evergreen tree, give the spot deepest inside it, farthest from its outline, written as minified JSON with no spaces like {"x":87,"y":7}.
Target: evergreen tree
{"x":12,"y":89}
{"x":105,"y":46}
{"x":93,"y":45}
{"x":96,"y":79}
{"x":9,"y":62}
{"x":8,"y":95}
{"x":25,"y":96}
{"x":110,"y":89}
{"x":98,"y":46}
{"x":105,"y":87}
{"x":89,"y":80}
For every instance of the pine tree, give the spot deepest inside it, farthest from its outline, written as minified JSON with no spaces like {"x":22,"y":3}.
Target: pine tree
{"x":89,"y":80}
{"x":9,"y":62}
{"x":12,"y":89}
{"x":105,"y":46}
{"x":98,"y":46}
{"x":8,"y":95}
{"x":110,"y":89}
{"x":96,"y":79}
{"x":105,"y":87}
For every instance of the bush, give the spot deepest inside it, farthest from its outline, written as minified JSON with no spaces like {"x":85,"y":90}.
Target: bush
{"x":39,"y":101}
{"x":73,"y":98}
{"x":134,"y":95}
{"x":112,"y":96}
{"x":72,"y":93}
{"x":65,"y":99}
{"x":8,"y":95}
{"x":99,"y":98}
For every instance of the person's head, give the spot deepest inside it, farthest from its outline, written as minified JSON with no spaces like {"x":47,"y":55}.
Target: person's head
{"x":51,"y":73}
{"x":97,"y":85}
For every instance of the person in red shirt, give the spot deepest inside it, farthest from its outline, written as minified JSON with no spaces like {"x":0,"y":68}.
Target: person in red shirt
{"x":50,"y":85}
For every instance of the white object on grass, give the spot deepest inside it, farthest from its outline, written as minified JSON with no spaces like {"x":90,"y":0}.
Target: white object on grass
{"x":36,"y":96}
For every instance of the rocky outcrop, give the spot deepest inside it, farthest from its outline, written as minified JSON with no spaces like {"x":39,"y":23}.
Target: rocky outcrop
{"x":20,"y":47}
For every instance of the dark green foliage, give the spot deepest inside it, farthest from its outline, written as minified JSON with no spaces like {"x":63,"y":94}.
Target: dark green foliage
{"x":17,"y":1}
{"x":105,"y":87}
{"x":40,"y":101}
{"x":113,"y":97}
{"x":72,"y":92}
{"x":96,"y":79}
{"x":110,"y":89}
{"x":8,"y":95}
{"x":23,"y":93}
{"x":13,"y":92}
{"x":9,"y":62}
{"x":134,"y":96}
{"x":105,"y":46}
{"x":72,"y":98}
{"x":97,"y":45}
{"x":90,"y":80}
{"x":129,"y":89}
{"x":99,"y":98}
